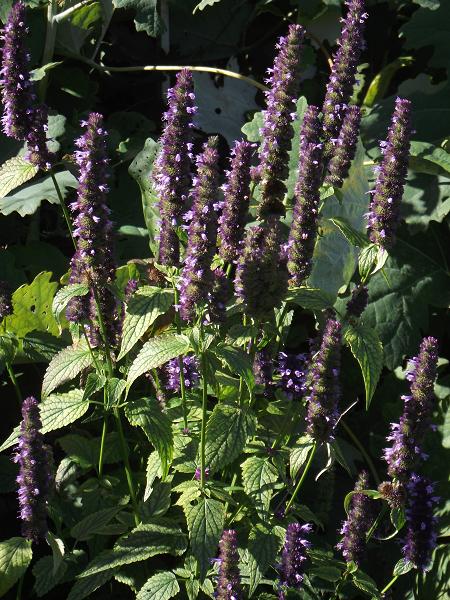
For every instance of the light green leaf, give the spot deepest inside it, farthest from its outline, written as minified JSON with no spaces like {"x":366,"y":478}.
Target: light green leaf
{"x":402,"y":567}
{"x":58,"y":550}
{"x":259,"y":477}
{"x":380,"y":83}
{"x":204,"y":3}
{"x":141,"y":311}
{"x":299,"y":454}
{"x":115,"y":388}
{"x":41,"y":72}
{"x":65,"y":366}
{"x":88,"y":526}
{"x":15,"y":556}
{"x":65,"y":294}
{"x":15,"y":172}
{"x":310,"y":298}
{"x":147,"y":18}
{"x":161,"y":586}
{"x":365,"y":583}
{"x":356,"y":238}
{"x":264,"y":544}
{"x":154,"y":470}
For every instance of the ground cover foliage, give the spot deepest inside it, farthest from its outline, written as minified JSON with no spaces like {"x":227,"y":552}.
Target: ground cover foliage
{"x":206,"y":345}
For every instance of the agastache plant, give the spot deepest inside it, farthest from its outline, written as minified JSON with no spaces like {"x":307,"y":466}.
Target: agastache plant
{"x":292,"y":371}
{"x":228,"y":585}
{"x":358,"y":301}
{"x":344,"y":148}
{"x":293,"y":557}
{"x":190,"y":370}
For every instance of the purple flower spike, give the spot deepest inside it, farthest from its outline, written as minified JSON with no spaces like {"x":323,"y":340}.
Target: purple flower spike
{"x":196,"y":277}
{"x":358,"y":523}
{"x":358,"y":301}
{"x":35,"y":477}
{"x":324,"y":385}
{"x":38,"y":153}
{"x":236,"y":201}
{"x":228,"y":585}
{"x":261,"y":274}
{"x":172,"y":172}
{"x":277,"y":131}
{"x":343,"y":74}
{"x":221,"y":292}
{"x":293,"y":557}
{"x":292,"y":369}
{"x":303,"y":233}
{"x":421,"y":524}
{"x":407,"y":436}
{"x":345,"y":148}
{"x":5,"y":299}
{"x":190,"y":371}
{"x":263,"y":367}
{"x":384,"y":210}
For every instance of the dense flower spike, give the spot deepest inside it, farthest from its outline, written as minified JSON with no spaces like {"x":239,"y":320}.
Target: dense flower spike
{"x":263,"y":367}
{"x":293,"y":557}
{"x":5,"y":299}
{"x":93,"y":262}
{"x":421,"y":524}
{"x":221,"y":292}
{"x":35,"y":477}
{"x":384,"y":209}
{"x":324,"y":385}
{"x":261,"y":274}
{"x":172,"y":172}
{"x":38,"y":153}
{"x":229,"y":580}
{"x":343,"y":74}
{"x":303,"y":233}
{"x":190,"y":371}
{"x":359,"y":520}
{"x":196,"y":277}
{"x":277,"y":130}
{"x":236,"y":201}
{"x":345,"y":148}
{"x":407,"y":436}
{"x":358,"y":301}
{"x":292,"y":371}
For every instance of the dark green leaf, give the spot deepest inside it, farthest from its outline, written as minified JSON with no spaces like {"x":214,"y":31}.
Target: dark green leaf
{"x":264,"y":544}
{"x":205,"y":523}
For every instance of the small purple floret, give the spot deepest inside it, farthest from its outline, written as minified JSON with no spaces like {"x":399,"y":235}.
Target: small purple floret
{"x":228,"y":585}
{"x":190,"y":371}
{"x":344,"y":148}
{"x":293,"y":557}
{"x":292,"y":370}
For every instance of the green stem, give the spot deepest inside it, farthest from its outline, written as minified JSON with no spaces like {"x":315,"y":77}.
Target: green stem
{"x":19,"y":588}
{"x":104,"y":333}
{"x":128,"y":473}
{"x":390,"y":584}
{"x":302,"y":478}
{"x":102,"y":443}
{"x":65,"y":14}
{"x":63,"y":206}
{"x":361,"y":448}
{"x":15,"y":383}
{"x":204,"y":419}
{"x":180,"y":360}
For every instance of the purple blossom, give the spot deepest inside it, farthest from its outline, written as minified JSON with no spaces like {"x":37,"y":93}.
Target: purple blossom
{"x":130,"y":288}
{"x":358,"y":523}
{"x":196,"y":277}
{"x":293,"y":557}
{"x":5,"y":299}
{"x":35,"y":477}
{"x":292,"y":370}
{"x":324,"y":386}
{"x":407,"y":436}
{"x":228,"y":585}
{"x":236,"y":202}
{"x":358,"y":301}
{"x":384,"y":209}
{"x":421,"y":524}
{"x":345,"y":147}
{"x":198,"y":472}
{"x":277,"y":131}
{"x":190,"y":371}
{"x":343,"y":74}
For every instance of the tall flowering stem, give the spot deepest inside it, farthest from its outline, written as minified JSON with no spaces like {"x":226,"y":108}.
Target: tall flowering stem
{"x":277,"y":131}
{"x":345,"y":147}
{"x":384,"y":209}
{"x":172,"y":172}
{"x":35,"y":477}
{"x":228,"y":585}
{"x":343,"y":74}
{"x":293,"y":557}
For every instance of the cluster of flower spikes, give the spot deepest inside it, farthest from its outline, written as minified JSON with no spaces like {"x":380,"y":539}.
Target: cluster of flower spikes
{"x":292,"y":371}
{"x":277,"y":130}
{"x":5,"y":299}
{"x":293,"y":557}
{"x":190,"y":372}
{"x":358,"y":523}
{"x":343,"y":75}
{"x":93,"y":262}
{"x":172,"y":170}
{"x":384,"y":209}
{"x":344,"y":148}
{"x":196,"y":278}
{"x":35,"y":477}
{"x":324,"y":386}
{"x":228,"y":586}
{"x":23,"y":119}
{"x":303,"y":233}
{"x":358,"y":301}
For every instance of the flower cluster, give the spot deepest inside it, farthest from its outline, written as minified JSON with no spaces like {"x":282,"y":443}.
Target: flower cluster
{"x":344,"y":148}
{"x":358,"y":301}
{"x":228,"y":585}
{"x":292,"y":371}
{"x":190,"y":371}
{"x":293,"y":557}
{"x":263,"y":367}
{"x":5,"y":299}
{"x":384,"y":209}
{"x":277,"y":130}
{"x":35,"y":477}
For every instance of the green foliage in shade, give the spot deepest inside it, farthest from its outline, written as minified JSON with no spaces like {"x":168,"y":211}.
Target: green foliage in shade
{"x":430,"y":28}
{"x":161,"y":586}
{"x":264,"y":543}
{"x":147,"y":17}
{"x":83,"y":588}
{"x":259,"y":477}
{"x":15,"y":556}
{"x":90,"y":525}
{"x":205,"y":521}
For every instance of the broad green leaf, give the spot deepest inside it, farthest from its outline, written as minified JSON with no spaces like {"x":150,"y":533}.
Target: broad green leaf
{"x":426,"y":197}
{"x":299,"y":454}
{"x":226,"y":434}
{"x":156,"y":425}
{"x":402,"y":567}
{"x":155,"y":353}
{"x":368,"y":351}
{"x":310,"y":298}
{"x":264,"y":544}
{"x":430,"y":28}
{"x":45,"y":578}
{"x":115,"y":388}
{"x":141,"y":311}
{"x":15,"y":172}
{"x":65,"y":366}
{"x":58,"y":550}
{"x":205,"y":521}
{"x":426,"y":158}
{"x":147,"y":18}
{"x":238,"y":362}
{"x":41,"y":72}
{"x":65,"y":294}
{"x":154,"y":470}
{"x":88,"y":526}
{"x":83,"y":588}
{"x":365,"y":583}
{"x":356,"y":238}
{"x":371,"y":259}
{"x":41,"y":346}
{"x":15,"y":556}
{"x":161,"y":586}
{"x":259,"y":477}
{"x":380,"y":83}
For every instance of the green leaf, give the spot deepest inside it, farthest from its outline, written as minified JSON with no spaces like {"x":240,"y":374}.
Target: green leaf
{"x":204,"y":3}
{"x":41,"y":347}
{"x":147,"y":18}
{"x":205,"y":522}
{"x":310,"y":298}
{"x":161,"y":586}
{"x":88,"y":526}
{"x":402,"y":567}
{"x":365,"y":583}
{"x":426,"y":158}
{"x":299,"y":454}
{"x":15,"y":556}
{"x":227,"y":431}
{"x":45,"y":578}
{"x":58,"y":550}
{"x":374,"y":494}
{"x":380,"y":83}
{"x":356,"y":238}
{"x":264,"y":544}
{"x":65,"y":294}
{"x":368,"y":351}
{"x":15,"y":172}
{"x":371,"y":259}
{"x":156,"y":425}
{"x":155,"y":353}
{"x":141,"y":311}
{"x":259,"y":477}
{"x":65,"y":366}
{"x":41,"y":72}
{"x":83,"y":588}
{"x":238,"y":362}
{"x":430,"y":28}
{"x":154,"y":470}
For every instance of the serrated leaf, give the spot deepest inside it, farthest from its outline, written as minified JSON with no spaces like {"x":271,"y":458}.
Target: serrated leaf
{"x":65,"y":294}
{"x":365,"y":583}
{"x":155,"y":353}
{"x":264,"y":544}
{"x":83,"y":588}
{"x":259,"y":477}
{"x":115,"y":388}
{"x":227,"y":431}
{"x":87,"y":527}
{"x":161,"y":586}
{"x":147,"y":18}
{"x":368,"y":351}
{"x":205,"y":524}
{"x":299,"y":454}
{"x":402,"y":567}
{"x":154,"y":470}
{"x":45,"y":578}
{"x":141,"y":311}
{"x":238,"y":362}
{"x":15,"y":556}
{"x":311,"y":298}
{"x":15,"y":172}
{"x":65,"y":366}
